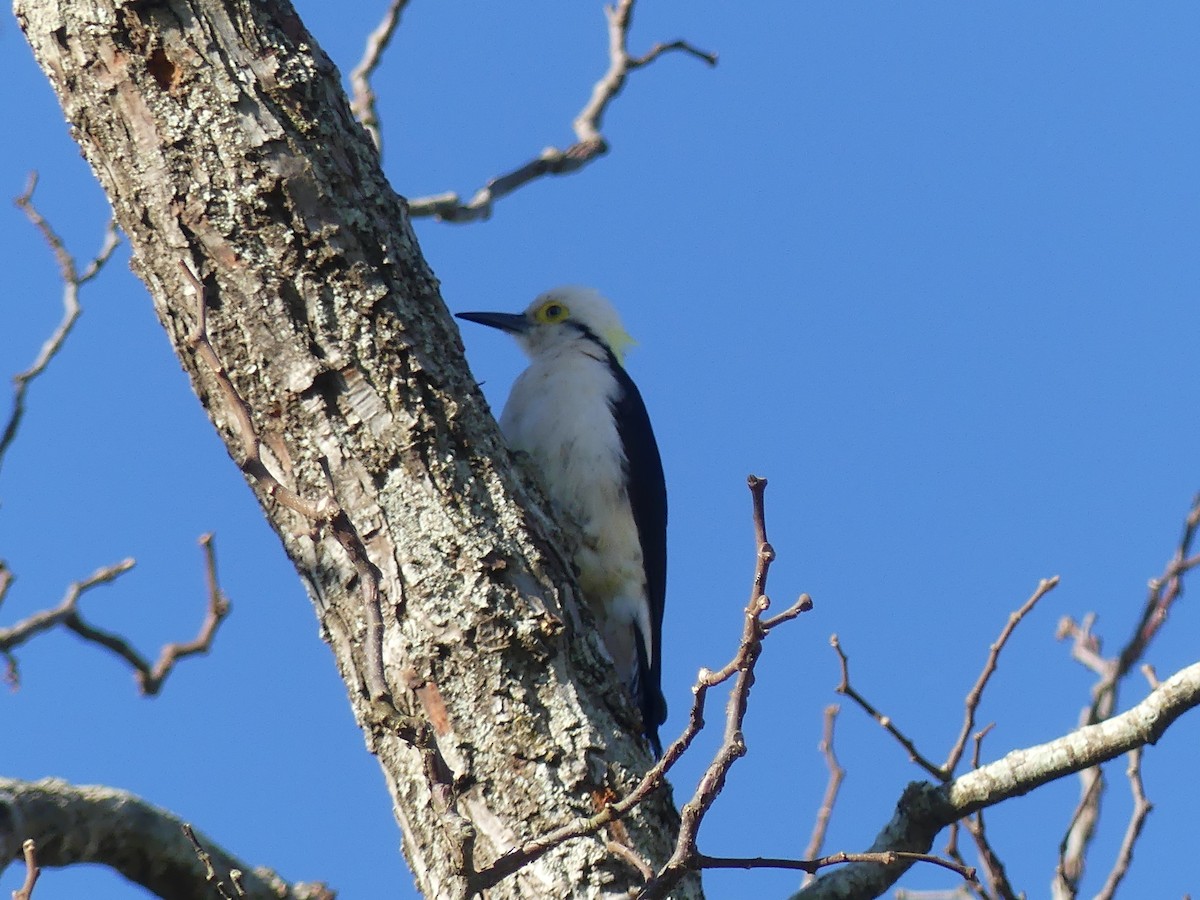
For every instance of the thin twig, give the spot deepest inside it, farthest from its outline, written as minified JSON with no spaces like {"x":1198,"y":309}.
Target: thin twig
{"x":210,"y":873}
{"x":836,"y":775}
{"x":1137,"y":820}
{"x":218,"y":608}
{"x":590,"y":143}
{"x":1086,"y":646}
{"x":6,"y":580}
{"x":1151,"y":675}
{"x":975,"y":695}
{"x":150,"y":678}
{"x":992,"y":865}
{"x":686,"y":857}
{"x":631,"y":856}
{"x":1162,"y":594}
{"x":1072,"y":849}
{"x":964,"y":889}
{"x":32,"y":871}
{"x":620,"y":17}
{"x":72,"y":280}
{"x":961,"y":891}
{"x":996,"y":875}
{"x":16,"y":635}
{"x":884,"y":858}
{"x":519,"y":857}
{"x":886,"y":721}
{"x":363,"y":102}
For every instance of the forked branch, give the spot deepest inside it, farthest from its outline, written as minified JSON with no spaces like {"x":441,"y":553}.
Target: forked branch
{"x":590,"y":143}
{"x":150,"y":677}
{"x":73,"y":279}
{"x":1163,"y":592}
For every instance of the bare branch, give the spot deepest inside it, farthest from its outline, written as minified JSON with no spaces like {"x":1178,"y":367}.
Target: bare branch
{"x":945,"y":771}
{"x":975,"y":695}
{"x":686,"y":856}
{"x":925,"y":808}
{"x":632,"y":857}
{"x":590,"y":143}
{"x":590,"y":120}
{"x":992,"y":865}
{"x":6,"y":580}
{"x":1022,"y":770}
{"x":1072,"y":849}
{"x":811,"y":866}
{"x":362,"y":104}
{"x":1161,"y":596}
{"x":994,"y":868}
{"x":844,"y":687}
{"x":73,"y":280}
{"x":961,"y":890}
{"x":236,"y":876}
{"x":1163,"y":592}
{"x":836,"y":774}
{"x":18,"y":634}
{"x":1137,"y":820}
{"x":150,"y":678}
{"x":218,"y":608}
{"x":1151,"y":675}
{"x":90,"y":824}
{"x":1085,"y":644}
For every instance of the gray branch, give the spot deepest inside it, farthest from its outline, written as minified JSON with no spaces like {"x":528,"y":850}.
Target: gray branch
{"x":925,"y":809}
{"x":90,"y":824}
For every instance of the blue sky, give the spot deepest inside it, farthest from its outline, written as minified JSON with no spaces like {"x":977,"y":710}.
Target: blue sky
{"x":929,"y":267}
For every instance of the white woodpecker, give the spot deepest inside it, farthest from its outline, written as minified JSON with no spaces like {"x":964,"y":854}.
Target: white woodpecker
{"x":578,"y":415}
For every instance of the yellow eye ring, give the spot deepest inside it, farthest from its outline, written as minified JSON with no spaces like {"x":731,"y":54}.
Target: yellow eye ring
{"x":551,"y":312}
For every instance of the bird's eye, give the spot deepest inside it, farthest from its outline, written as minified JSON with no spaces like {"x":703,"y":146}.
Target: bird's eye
{"x":552,"y":312}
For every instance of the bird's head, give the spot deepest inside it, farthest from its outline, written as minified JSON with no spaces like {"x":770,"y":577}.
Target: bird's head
{"x":559,"y":318}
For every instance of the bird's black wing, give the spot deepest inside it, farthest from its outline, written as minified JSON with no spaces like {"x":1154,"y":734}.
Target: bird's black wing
{"x":648,"y":498}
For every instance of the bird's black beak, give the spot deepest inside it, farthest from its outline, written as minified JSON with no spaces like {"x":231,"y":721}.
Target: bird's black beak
{"x":513,"y":323}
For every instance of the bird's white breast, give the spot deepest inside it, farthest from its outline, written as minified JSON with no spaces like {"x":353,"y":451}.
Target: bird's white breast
{"x":560,"y":413}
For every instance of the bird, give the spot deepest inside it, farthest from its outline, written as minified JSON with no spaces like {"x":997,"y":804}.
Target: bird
{"x":582,"y":422}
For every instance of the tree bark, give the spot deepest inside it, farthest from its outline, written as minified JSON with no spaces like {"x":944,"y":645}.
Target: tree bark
{"x":225,"y":143}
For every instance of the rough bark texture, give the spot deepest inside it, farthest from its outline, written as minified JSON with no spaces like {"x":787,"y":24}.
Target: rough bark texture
{"x":223,"y":139}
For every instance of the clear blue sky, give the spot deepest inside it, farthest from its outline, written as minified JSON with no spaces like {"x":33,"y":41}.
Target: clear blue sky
{"x":929,"y":267}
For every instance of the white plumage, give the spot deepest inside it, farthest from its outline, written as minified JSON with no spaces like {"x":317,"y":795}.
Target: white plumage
{"x":579,"y":417}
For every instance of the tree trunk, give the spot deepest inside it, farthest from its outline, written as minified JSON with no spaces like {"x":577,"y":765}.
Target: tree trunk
{"x":225,"y":143}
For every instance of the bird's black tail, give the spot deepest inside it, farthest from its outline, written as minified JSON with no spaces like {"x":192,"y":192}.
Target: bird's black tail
{"x":649,"y":697}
